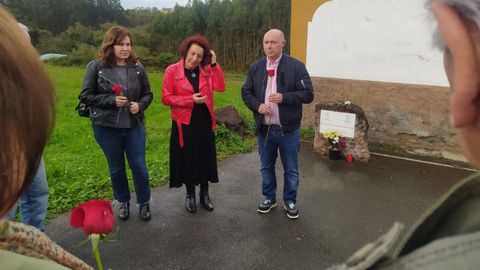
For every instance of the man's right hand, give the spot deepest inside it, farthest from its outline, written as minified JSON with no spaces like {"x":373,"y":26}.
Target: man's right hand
{"x":264,"y":109}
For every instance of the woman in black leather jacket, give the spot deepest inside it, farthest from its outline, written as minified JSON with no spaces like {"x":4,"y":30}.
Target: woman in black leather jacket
{"x":116,"y":89}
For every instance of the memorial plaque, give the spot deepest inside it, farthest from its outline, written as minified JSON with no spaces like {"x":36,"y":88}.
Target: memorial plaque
{"x":338,"y":121}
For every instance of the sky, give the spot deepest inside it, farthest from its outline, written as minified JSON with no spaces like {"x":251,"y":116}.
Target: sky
{"x":129,"y":4}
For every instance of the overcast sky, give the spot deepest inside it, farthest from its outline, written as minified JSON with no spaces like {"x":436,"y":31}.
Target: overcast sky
{"x":129,"y":4}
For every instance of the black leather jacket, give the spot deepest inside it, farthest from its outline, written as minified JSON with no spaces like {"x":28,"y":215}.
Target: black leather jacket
{"x":97,"y":93}
{"x":293,"y":82}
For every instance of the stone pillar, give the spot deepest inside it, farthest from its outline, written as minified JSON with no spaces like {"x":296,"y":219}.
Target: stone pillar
{"x":357,"y":146}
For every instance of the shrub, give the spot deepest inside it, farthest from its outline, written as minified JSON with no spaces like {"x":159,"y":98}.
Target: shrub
{"x":162,"y":60}
{"x":84,"y":53}
{"x":49,"y":44}
{"x":141,"y":51}
{"x":66,"y":61}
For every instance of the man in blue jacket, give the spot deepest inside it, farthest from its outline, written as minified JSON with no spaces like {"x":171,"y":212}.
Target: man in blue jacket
{"x":275,"y":89}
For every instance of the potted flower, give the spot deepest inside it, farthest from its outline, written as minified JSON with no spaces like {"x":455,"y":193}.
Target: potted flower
{"x":336,"y":143}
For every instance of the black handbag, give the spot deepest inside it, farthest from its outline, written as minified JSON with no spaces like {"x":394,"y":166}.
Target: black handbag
{"x":83,"y":110}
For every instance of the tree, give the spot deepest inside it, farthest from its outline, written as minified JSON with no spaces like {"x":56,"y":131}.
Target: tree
{"x":235,"y":28}
{"x":57,"y":15}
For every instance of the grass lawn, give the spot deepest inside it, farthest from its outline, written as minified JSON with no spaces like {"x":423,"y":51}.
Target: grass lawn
{"x":76,"y":167}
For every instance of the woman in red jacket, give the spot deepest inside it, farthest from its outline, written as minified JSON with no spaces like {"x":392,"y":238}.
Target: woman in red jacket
{"x":188,"y":89}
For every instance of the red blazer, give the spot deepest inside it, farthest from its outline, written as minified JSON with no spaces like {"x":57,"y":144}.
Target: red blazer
{"x":177,"y":92}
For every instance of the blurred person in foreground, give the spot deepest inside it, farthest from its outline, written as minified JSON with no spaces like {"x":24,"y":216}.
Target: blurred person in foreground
{"x":34,"y":201}
{"x":459,"y":36}
{"x":117,"y":89}
{"x":446,"y":236}
{"x":188,"y":88}
{"x":27,"y":115}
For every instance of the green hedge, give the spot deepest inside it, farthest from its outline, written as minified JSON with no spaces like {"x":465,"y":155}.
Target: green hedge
{"x":161,"y":61}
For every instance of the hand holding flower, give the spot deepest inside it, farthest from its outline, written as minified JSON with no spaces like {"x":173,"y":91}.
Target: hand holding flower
{"x":264,"y":109}
{"x":121,"y":101}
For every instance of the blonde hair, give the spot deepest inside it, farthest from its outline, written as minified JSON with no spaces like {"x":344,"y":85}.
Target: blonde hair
{"x":26,"y":111}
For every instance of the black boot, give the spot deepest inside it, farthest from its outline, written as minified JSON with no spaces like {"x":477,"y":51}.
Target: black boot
{"x":145,"y":214}
{"x":124,"y":211}
{"x":205,"y":200}
{"x":191,"y":203}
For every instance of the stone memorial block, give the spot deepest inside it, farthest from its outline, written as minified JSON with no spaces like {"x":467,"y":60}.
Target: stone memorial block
{"x":229,"y":116}
{"x":346,"y":118}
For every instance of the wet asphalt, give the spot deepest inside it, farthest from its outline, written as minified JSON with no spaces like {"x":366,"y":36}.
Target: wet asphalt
{"x":342,"y":206}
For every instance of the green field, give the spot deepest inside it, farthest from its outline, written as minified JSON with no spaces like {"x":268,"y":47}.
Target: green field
{"x":76,"y":167}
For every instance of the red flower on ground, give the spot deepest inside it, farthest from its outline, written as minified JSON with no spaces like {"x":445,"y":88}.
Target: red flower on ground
{"x":95,"y":216}
{"x":117,"y":89}
{"x":271,"y":72}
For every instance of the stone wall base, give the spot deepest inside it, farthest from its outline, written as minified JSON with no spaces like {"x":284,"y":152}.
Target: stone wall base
{"x":412,"y":117}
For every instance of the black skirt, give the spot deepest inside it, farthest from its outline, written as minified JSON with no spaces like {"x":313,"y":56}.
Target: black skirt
{"x":196,"y":162}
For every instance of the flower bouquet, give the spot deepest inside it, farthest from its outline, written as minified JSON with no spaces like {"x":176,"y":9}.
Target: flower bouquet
{"x":336,"y":143}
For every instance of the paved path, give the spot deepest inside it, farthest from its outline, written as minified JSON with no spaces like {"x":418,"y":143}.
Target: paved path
{"x":342,"y":206}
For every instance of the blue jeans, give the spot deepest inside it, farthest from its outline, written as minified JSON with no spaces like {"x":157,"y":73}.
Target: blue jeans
{"x":289,"y":146}
{"x":116,"y":143}
{"x":33,"y":203}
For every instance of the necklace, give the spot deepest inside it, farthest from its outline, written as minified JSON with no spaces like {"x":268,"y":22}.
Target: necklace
{"x":193,"y":74}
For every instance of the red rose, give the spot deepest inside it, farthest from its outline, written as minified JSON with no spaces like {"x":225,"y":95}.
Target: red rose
{"x":271,"y":72}
{"x":95,"y":216}
{"x":117,"y":89}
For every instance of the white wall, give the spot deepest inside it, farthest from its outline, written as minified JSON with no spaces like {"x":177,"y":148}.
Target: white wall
{"x":379,"y":40}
